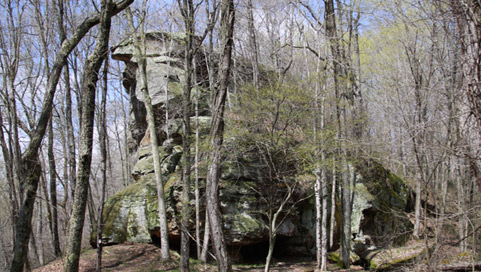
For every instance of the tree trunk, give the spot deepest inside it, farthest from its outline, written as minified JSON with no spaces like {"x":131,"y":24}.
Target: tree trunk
{"x":333,"y":204}
{"x":461,"y":211}
{"x":274,"y":225}
{"x":324,"y":218}
{"x":72,"y":164}
{"x":30,"y":164}
{"x":324,"y":196}
{"x":253,"y":43}
{"x":205,"y":241}
{"x":330,"y":18}
{"x":467,"y":14}
{"x":139,"y":47}
{"x":318,"y":201}
{"x":187,"y":11}
{"x":345,"y":215}
{"x":272,"y":243}
{"x":196,"y":173}
{"x":53,"y":193}
{"x":216,"y":134}
{"x":89,"y":82}
{"x":103,"y":163}
{"x":12,"y":194}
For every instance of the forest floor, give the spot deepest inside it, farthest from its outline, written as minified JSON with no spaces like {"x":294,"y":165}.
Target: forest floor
{"x":136,"y":257}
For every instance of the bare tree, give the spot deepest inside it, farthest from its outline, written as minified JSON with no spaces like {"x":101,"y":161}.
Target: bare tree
{"x":188,"y":14}
{"x":89,"y":87}
{"x":337,"y":60}
{"x":467,"y":14}
{"x":216,"y":136}
{"x":103,"y":162}
{"x":30,"y":163}
{"x":139,"y":47}
{"x":53,"y":193}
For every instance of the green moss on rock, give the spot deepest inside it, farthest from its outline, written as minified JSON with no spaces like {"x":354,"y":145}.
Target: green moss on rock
{"x":386,"y":259}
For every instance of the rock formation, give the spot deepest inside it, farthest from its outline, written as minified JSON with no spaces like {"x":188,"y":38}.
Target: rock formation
{"x":380,"y":198}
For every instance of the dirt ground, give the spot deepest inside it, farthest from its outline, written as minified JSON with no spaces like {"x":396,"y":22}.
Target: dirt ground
{"x":136,"y":257}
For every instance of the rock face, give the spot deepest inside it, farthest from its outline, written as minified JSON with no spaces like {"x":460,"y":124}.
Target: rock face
{"x":380,"y":198}
{"x":380,"y":203}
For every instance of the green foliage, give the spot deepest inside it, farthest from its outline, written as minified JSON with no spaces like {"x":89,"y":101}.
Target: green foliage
{"x":272,"y":115}
{"x":271,"y":120}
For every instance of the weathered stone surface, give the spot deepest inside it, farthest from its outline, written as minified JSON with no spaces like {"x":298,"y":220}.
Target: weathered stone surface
{"x":132,"y":214}
{"x":378,"y":220}
{"x":385,"y":259}
{"x":380,"y":198}
{"x":381,"y":201}
{"x":165,"y":56}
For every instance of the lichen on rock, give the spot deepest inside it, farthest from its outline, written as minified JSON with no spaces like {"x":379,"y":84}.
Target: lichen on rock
{"x":380,"y":199}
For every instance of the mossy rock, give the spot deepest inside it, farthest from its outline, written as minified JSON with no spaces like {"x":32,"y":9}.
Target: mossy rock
{"x":381,"y":200}
{"x":335,"y":258}
{"x":243,"y":228}
{"x":386,"y":259}
{"x":132,"y":214}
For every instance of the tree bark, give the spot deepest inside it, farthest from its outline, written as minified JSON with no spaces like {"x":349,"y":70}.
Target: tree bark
{"x":140,"y":55}
{"x":196,"y":172}
{"x":72,"y":164}
{"x":53,"y":193}
{"x":274,"y":225}
{"x":188,"y":13}
{"x":216,"y":134}
{"x":253,"y":43}
{"x":103,"y":163}
{"x":331,"y":29}
{"x":205,"y":240}
{"x":89,"y":82}
{"x":333,"y":204}
{"x":30,"y":164}
{"x":467,"y":13}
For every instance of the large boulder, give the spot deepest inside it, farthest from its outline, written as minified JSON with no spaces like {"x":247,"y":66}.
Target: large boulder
{"x":379,"y":219}
{"x":381,"y":201}
{"x":132,"y":214}
{"x":165,"y":72}
{"x":380,"y":198}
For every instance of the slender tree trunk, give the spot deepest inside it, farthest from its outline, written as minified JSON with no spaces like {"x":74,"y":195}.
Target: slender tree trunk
{"x":330,"y":18}
{"x":467,"y":14}
{"x":216,"y":134}
{"x":211,"y":16}
{"x":318,"y":201}
{"x":72,"y":164}
{"x":71,"y":157}
{"x":324,"y":218}
{"x":140,"y":55}
{"x":333,"y":204}
{"x":253,"y":43}
{"x":196,"y":171}
{"x":30,"y":164}
{"x":345,"y":215}
{"x":39,"y":242}
{"x":24,"y":221}
{"x":35,"y":259}
{"x":12,"y":192}
{"x":461,"y":205}
{"x":187,"y":11}
{"x":103,"y":162}
{"x":272,"y":242}
{"x":205,"y":241}
{"x":274,"y":225}
{"x":417,"y":207}
{"x":324,"y":196}
{"x":53,"y":193}
{"x":91,"y":208}
{"x":89,"y":82}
